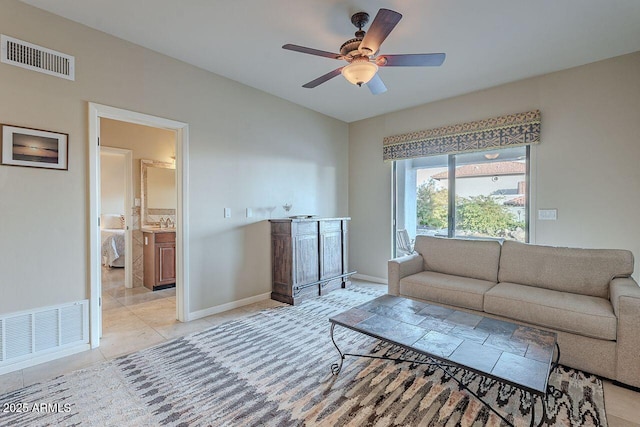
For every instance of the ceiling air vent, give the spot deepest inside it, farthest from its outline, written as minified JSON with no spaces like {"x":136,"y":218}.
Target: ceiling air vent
{"x":37,"y":58}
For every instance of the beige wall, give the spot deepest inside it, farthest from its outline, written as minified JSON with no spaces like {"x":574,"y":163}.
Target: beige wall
{"x":112,"y":184}
{"x":587,"y":165}
{"x":247,"y":149}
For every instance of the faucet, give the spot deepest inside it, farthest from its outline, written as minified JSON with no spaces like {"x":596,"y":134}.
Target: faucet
{"x":170,"y":223}
{"x":163,"y":223}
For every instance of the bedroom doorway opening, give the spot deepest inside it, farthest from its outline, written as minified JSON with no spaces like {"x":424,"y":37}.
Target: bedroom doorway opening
{"x":134,"y":311}
{"x":148,"y":306}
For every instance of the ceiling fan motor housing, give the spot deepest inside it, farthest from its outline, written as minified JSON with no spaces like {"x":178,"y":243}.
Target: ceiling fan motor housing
{"x":349,"y":49}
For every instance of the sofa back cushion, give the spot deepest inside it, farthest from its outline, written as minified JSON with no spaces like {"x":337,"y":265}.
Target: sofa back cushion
{"x":478,"y":259}
{"x":579,"y":271}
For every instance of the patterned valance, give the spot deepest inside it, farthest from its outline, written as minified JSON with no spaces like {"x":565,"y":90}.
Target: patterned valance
{"x":500,"y":132}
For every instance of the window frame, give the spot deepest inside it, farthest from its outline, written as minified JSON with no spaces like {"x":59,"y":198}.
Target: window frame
{"x":451,"y":182}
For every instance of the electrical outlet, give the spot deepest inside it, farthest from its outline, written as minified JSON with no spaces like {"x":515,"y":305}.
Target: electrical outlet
{"x":547,"y":214}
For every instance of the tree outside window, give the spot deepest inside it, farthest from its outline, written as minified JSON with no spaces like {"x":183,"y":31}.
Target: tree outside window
{"x":490,"y":201}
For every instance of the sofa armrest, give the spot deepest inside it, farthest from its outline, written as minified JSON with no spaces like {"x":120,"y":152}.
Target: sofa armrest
{"x":403,"y":267}
{"x":625,"y":298}
{"x":623,"y":288}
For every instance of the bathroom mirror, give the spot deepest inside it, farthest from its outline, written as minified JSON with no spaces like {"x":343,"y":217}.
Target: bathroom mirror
{"x":158,"y":192}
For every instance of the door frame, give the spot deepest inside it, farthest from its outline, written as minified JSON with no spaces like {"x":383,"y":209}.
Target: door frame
{"x":96,"y":112}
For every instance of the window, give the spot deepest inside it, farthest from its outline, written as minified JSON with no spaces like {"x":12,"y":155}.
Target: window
{"x":471,"y":195}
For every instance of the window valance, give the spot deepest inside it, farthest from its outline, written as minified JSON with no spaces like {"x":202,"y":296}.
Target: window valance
{"x":500,"y":132}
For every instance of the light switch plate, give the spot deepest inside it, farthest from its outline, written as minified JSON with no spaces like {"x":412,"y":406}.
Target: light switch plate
{"x":227,"y":212}
{"x":249,"y":212}
{"x":547,"y":214}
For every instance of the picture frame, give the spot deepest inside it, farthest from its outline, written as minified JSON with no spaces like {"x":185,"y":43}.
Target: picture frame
{"x":34,"y":148}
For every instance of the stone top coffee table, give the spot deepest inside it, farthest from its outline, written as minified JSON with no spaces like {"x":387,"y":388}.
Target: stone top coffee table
{"x":505,"y":351}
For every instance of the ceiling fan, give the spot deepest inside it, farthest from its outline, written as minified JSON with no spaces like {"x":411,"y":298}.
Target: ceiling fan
{"x":360,"y":53}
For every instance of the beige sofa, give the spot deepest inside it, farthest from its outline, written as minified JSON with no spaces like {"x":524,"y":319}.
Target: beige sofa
{"x":585,"y":295}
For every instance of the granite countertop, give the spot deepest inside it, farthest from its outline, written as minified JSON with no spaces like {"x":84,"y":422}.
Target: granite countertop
{"x":149,"y":229}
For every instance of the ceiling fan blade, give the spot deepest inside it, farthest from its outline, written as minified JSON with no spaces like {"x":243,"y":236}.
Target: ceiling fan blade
{"x":376,"y":85}
{"x":384,"y":22}
{"x":322,"y":79}
{"x":311,"y":51}
{"x":411,"y":60}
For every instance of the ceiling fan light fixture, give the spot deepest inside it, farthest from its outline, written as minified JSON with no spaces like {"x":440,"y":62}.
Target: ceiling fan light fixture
{"x":359,"y":71}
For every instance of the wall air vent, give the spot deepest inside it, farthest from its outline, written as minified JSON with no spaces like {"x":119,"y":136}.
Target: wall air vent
{"x":37,"y":58}
{"x":43,"y":331}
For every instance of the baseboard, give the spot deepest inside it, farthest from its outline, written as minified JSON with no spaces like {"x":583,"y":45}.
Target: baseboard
{"x":370,"y":278}
{"x":46,"y":357}
{"x":228,"y":306}
{"x":627,"y":386}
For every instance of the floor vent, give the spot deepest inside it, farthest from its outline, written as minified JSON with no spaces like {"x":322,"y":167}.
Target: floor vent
{"x":37,"y":58}
{"x":30,"y":334}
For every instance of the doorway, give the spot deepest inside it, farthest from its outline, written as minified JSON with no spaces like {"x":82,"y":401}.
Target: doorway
{"x":96,"y":113}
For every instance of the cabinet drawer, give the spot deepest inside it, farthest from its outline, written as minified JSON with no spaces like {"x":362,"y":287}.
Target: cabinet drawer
{"x":165,"y":237}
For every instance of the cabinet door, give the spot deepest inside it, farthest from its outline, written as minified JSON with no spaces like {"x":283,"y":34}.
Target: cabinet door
{"x":166,"y":263}
{"x":306,"y":255}
{"x":306,"y":259}
{"x":331,"y":248}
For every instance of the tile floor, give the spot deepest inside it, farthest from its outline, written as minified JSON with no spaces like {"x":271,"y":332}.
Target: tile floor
{"x":134,"y":319}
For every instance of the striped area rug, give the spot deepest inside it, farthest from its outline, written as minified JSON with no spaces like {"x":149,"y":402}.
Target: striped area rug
{"x":273,"y":369}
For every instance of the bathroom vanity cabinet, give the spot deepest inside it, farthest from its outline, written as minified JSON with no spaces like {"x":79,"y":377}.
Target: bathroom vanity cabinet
{"x":159,"y":255}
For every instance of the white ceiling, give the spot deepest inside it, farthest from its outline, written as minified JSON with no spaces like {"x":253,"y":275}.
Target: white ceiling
{"x":487,"y":42}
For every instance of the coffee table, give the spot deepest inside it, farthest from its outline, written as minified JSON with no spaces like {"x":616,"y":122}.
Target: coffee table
{"x":510,"y":353}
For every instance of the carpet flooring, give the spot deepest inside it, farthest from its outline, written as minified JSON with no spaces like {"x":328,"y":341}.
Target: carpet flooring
{"x":273,"y":369}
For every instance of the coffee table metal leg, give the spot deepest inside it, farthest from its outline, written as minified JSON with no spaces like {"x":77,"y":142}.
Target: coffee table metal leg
{"x":557,"y":362}
{"x":336,"y":367}
{"x":464,"y":386}
{"x":543,"y":404}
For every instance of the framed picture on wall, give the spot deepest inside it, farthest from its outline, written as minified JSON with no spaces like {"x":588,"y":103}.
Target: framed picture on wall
{"x":34,"y":148}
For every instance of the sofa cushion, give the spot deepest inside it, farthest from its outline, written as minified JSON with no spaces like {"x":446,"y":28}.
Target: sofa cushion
{"x":579,"y":314}
{"x":580,"y":271}
{"x":446,"y":289}
{"x":478,"y":259}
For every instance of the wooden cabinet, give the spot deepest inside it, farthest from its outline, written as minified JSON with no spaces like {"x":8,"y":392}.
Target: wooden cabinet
{"x":309,"y":257}
{"x":159,"y":254}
